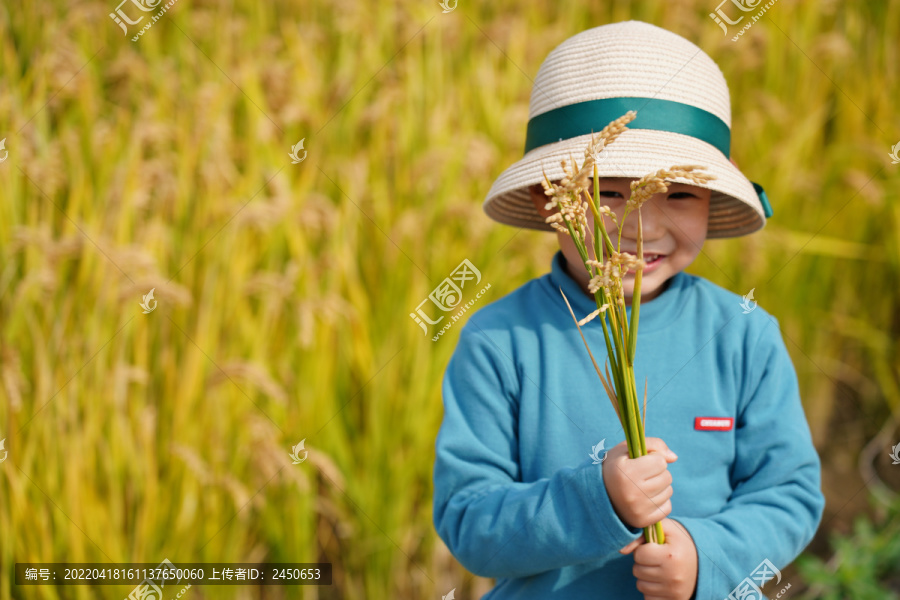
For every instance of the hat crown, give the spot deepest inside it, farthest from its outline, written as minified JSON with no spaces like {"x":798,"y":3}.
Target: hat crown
{"x":630,"y":59}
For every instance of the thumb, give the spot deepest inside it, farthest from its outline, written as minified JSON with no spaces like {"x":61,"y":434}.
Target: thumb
{"x":674,"y":531}
{"x":657,"y":445}
{"x":632,"y":546}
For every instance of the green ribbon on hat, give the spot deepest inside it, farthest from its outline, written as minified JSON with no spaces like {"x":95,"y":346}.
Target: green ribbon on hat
{"x":661,"y":115}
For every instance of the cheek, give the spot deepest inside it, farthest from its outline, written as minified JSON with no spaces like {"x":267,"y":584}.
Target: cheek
{"x":568,"y":249}
{"x":701,"y":220}
{"x":691,"y":223}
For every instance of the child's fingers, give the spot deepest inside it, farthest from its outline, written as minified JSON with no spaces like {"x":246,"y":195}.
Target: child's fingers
{"x":648,"y":466}
{"x":650,"y":574}
{"x":632,"y":546}
{"x":656,"y":484}
{"x":657,"y":445}
{"x":661,"y":498}
{"x":661,"y":510}
{"x":619,"y":450}
{"x":675,"y":532}
{"x":651,"y":555}
{"x":654,"y":591}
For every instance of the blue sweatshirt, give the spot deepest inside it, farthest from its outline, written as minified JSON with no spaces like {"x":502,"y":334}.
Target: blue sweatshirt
{"x":516,"y":494}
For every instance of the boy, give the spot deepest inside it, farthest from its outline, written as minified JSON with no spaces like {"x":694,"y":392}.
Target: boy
{"x":523,"y":492}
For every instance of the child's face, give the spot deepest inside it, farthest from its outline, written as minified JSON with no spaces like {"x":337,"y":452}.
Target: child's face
{"x":674,"y":223}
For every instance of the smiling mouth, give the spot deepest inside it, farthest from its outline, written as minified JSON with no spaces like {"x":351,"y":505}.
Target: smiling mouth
{"x":652,"y":260}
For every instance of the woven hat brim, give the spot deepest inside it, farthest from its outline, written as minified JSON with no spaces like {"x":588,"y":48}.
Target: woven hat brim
{"x":734,"y":210}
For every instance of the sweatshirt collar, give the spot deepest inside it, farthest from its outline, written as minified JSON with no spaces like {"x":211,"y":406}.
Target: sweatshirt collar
{"x":656,"y":314}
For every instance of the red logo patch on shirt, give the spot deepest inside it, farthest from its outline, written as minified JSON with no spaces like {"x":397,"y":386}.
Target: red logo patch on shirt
{"x":713,"y":423}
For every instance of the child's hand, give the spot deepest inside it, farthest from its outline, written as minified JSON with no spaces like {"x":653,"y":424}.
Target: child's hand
{"x":665,"y":571}
{"x":640,"y":488}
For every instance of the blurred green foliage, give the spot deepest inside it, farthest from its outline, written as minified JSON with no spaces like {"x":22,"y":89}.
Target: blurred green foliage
{"x":285,"y":290}
{"x":865,"y":564}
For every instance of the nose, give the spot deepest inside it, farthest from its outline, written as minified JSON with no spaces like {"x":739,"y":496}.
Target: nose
{"x":652,"y":221}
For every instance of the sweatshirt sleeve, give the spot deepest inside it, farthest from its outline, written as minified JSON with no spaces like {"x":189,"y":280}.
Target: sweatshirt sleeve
{"x":495,"y":524}
{"x":776,"y":504}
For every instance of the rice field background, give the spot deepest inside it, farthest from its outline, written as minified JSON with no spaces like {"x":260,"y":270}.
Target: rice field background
{"x":283,"y":291}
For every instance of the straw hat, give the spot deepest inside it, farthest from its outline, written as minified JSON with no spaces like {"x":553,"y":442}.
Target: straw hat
{"x":683,"y":118}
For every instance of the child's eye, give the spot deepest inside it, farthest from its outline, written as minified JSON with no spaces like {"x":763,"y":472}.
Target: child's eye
{"x":609,"y":194}
{"x":681,"y":195}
